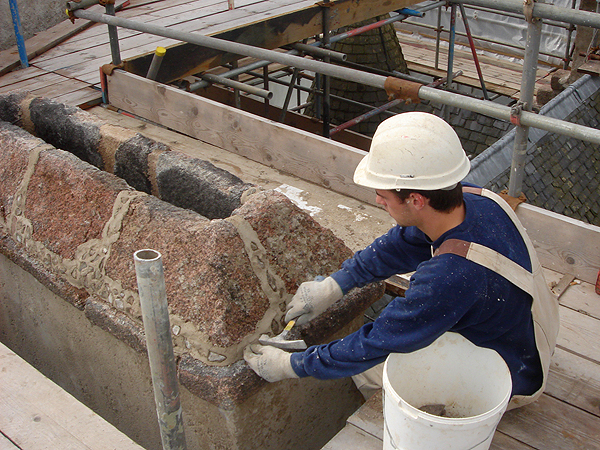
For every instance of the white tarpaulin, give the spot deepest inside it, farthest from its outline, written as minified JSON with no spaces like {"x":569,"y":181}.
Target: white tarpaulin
{"x":498,"y":28}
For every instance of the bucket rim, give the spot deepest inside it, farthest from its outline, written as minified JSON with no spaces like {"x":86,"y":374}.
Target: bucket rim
{"x":499,"y":408}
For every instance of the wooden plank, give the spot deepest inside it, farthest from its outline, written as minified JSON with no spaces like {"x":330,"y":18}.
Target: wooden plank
{"x":45,"y":80}
{"x":581,"y":296}
{"x":275,"y":32}
{"x":591,"y":67}
{"x":369,"y":416}
{"x":549,"y":424}
{"x":63,"y":87}
{"x":575,"y":380}
{"x":21,"y":75}
{"x":563,"y":244}
{"x":503,"y":442}
{"x":6,"y":444}
{"x":37,"y":414}
{"x":45,"y":40}
{"x":308,"y":156}
{"x":579,"y":333}
{"x":351,"y":437}
{"x":82,"y":98}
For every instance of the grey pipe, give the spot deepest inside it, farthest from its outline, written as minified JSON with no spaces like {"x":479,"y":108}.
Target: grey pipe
{"x":155,"y":314}
{"x":72,"y":6}
{"x":258,"y":64}
{"x":517,"y":170}
{"x":541,"y":11}
{"x":234,"y":47}
{"x":113,"y":37}
{"x":425,"y":93}
{"x":237,"y":85}
{"x":503,"y":112}
{"x":319,"y":52}
{"x":159,"y":54}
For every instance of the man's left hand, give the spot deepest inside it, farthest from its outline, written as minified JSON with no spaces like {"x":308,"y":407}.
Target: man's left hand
{"x":270,"y":363}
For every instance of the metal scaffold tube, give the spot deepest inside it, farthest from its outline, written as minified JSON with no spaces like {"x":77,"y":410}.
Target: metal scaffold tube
{"x":517,"y":170}
{"x":155,"y":314}
{"x":541,"y":11}
{"x":425,"y":93}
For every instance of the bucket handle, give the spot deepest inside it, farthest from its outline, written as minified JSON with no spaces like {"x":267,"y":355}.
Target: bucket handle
{"x":407,"y":411}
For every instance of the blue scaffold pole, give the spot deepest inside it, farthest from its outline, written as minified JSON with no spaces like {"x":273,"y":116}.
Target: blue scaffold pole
{"x":14,"y":10}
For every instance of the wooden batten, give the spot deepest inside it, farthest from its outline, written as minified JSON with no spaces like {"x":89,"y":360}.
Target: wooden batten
{"x":563,"y":244}
{"x":294,"y":151}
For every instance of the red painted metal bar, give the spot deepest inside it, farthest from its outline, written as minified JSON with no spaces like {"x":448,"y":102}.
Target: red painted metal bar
{"x":382,"y":108}
{"x":473,"y":51}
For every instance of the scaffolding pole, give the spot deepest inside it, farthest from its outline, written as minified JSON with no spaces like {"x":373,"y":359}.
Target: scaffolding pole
{"x":485,"y":107}
{"x":517,"y":170}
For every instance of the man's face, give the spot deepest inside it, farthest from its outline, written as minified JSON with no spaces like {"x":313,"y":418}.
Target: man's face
{"x":398,"y":209}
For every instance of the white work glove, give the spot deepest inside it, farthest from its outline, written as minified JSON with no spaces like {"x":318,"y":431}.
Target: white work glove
{"x":311,"y":299}
{"x":270,"y":363}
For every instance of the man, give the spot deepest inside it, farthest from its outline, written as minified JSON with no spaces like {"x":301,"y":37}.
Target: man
{"x":415,"y":165}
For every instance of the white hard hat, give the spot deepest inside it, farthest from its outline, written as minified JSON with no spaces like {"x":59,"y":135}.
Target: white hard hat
{"x":413,"y":150}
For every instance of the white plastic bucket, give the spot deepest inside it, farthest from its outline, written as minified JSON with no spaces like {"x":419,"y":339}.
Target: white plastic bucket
{"x":472,"y":384}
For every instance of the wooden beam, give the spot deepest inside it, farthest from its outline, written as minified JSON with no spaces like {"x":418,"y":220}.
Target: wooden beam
{"x":292,"y":119}
{"x":35,"y":413}
{"x":563,"y":244}
{"x":186,"y":59}
{"x":308,"y":156}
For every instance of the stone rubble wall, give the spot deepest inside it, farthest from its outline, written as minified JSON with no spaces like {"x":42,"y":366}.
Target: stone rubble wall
{"x":75,"y":227}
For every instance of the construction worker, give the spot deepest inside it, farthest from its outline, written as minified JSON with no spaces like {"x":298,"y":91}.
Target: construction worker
{"x":475,"y":270}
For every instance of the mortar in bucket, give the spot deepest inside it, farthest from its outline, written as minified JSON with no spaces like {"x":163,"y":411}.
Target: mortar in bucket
{"x":469,"y":386}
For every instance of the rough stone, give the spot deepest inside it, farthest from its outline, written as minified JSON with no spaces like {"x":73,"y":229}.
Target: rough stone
{"x":131,"y":161}
{"x":59,"y":125}
{"x":198,"y":185}
{"x":228,"y":280}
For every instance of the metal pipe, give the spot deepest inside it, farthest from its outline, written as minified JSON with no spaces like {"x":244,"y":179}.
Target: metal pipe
{"x":288,"y":94}
{"x":425,"y":93}
{"x":326,"y":80}
{"x":517,"y":170}
{"x":16,"y":19}
{"x":481,"y":38}
{"x":541,"y":11}
{"x":473,"y":51}
{"x":72,"y":6}
{"x":382,"y":108}
{"x":403,"y":14}
{"x":451,"y":44}
{"x":155,"y":314}
{"x":159,"y":54}
{"x":365,"y":116}
{"x":113,"y":37}
{"x":319,"y":52}
{"x":211,"y":78}
{"x":438,"y":33}
{"x":266,"y":87}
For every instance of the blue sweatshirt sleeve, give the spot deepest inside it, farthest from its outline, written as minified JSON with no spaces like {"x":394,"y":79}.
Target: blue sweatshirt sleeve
{"x":434,"y":304}
{"x":400,"y":250}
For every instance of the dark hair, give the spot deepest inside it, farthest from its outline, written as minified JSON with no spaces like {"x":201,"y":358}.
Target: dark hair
{"x":440,"y":200}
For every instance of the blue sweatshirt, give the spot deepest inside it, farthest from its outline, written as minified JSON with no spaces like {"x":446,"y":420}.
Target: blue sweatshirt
{"x":446,"y":293}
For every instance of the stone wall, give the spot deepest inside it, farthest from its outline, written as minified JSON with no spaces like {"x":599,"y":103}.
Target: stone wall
{"x":230,"y":265}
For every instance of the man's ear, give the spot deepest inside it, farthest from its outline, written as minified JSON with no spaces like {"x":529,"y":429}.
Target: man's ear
{"x":419,"y":201}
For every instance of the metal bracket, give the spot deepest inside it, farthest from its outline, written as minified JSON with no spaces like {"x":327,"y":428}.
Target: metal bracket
{"x":528,"y":10}
{"x":515,"y":112}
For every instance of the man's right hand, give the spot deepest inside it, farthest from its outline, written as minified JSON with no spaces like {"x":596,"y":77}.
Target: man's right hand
{"x":312,"y":298}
